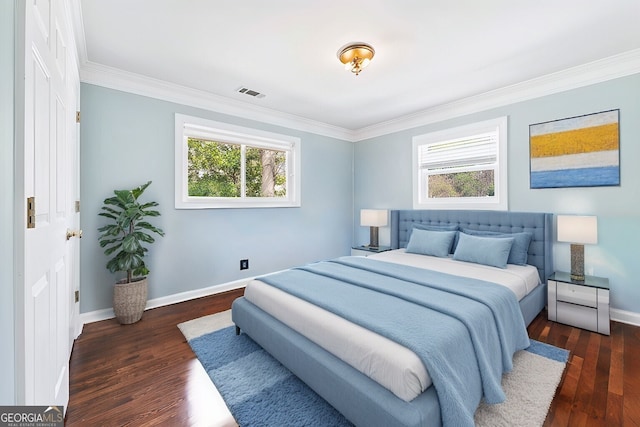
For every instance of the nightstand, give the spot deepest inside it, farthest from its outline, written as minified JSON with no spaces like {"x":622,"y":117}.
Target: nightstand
{"x":583,"y":304}
{"x":368,"y":250}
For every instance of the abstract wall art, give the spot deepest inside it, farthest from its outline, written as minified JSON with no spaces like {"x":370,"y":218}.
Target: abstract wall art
{"x":581,"y":151}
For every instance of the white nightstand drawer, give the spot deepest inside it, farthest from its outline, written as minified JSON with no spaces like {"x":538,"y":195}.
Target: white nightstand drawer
{"x":577,"y":315}
{"x":358,"y":252}
{"x":366,"y":250}
{"x":582,"y":304}
{"x":577,"y":294}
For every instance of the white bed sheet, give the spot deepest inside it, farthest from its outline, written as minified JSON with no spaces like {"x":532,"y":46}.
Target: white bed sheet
{"x":393,"y":366}
{"x":521,"y":279}
{"x":388,"y":363}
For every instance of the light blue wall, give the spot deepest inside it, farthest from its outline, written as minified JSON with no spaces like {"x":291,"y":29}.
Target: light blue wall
{"x":127,"y":140}
{"x":382,"y":179}
{"x":7,"y":63}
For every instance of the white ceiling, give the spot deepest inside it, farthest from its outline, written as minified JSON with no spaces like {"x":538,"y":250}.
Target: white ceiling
{"x":428,"y":53}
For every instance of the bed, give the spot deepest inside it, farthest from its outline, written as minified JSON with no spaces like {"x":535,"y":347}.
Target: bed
{"x":362,"y":397}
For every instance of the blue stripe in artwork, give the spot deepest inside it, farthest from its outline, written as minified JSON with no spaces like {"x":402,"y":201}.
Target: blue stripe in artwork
{"x":585,"y":177}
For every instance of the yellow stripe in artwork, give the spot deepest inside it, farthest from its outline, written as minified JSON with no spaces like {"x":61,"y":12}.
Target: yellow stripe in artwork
{"x":596,"y":159}
{"x":585,"y":140}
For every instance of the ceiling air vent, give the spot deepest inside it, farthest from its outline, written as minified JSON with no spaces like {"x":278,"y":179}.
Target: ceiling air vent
{"x":250,"y":92}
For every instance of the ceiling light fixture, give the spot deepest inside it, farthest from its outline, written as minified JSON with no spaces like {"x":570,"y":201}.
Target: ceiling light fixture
{"x":355,"y":56}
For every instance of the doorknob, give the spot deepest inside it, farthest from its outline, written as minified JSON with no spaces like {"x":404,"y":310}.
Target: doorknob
{"x":75,"y":233}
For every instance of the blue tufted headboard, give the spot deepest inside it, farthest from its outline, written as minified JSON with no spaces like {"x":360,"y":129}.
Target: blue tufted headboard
{"x":539,"y":224}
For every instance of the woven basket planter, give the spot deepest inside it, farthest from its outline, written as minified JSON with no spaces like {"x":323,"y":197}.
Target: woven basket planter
{"x":129,"y":300}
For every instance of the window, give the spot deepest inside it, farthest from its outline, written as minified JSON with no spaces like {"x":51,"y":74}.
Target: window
{"x":462,"y":168}
{"x":219,"y":165}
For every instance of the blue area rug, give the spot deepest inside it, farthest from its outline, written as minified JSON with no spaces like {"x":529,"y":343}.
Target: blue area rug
{"x":259,"y":391}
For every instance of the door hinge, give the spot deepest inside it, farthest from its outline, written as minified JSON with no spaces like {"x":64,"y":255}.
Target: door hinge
{"x":77,"y":296}
{"x":31,"y":212}
{"x":77,"y":206}
{"x":77,"y":116}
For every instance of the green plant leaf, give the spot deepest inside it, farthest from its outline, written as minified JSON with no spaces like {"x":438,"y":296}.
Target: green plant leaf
{"x":123,"y":236}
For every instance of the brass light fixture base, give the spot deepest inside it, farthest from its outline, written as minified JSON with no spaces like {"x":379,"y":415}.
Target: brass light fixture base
{"x":356,"y":56}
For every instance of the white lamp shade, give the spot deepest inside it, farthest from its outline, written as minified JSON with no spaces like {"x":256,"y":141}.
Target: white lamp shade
{"x":373,"y":217}
{"x":578,"y":229}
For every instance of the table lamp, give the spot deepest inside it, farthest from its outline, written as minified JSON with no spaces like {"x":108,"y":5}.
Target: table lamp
{"x":577,"y":230}
{"x":373,"y":218}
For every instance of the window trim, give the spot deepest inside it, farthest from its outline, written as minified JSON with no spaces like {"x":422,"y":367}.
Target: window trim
{"x":189,"y":126}
{"x":497,"y":202}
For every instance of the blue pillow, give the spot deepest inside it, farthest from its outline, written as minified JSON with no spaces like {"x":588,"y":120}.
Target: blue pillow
{"x":483,"y":250}
{"x":427,"y":242}
{"x":520,"y":249}
{"x":440,"y":227}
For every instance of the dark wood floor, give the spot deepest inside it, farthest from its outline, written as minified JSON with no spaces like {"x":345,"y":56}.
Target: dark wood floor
{"x":145,"y":374}
{"x":601,"y":383}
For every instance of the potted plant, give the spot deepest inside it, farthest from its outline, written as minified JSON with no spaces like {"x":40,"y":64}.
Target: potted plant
{"x":123,"y":238}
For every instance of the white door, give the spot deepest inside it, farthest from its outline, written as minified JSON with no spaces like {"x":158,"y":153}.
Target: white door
{"x":49,"y":187}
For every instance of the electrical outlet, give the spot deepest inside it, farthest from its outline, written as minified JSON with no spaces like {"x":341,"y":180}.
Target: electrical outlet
{"x":244,"y":264}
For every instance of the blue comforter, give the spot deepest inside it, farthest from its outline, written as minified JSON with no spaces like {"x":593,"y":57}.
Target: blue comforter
{"x":465,"y":331}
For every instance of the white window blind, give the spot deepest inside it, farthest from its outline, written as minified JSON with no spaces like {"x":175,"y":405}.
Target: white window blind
{"x":459,"y":153}
{"x":462,"y":168}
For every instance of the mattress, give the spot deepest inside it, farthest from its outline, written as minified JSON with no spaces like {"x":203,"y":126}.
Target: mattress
{"x":391,"y":365}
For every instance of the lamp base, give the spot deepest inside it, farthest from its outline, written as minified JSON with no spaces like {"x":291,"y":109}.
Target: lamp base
{"x":373,"y":237}
{"x":577,"y":262}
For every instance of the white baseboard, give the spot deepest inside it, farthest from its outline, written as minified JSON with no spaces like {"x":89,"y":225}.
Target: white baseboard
{"x":107,"y":313}
{"x":625,"y":316}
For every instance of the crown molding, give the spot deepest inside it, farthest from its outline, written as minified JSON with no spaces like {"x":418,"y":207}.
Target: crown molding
{"x":114,"y":78}
{"x":613,"y":67}
{"x":610,"y":68}
{"x":117,"y":79}
{"x":621,"y":65}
